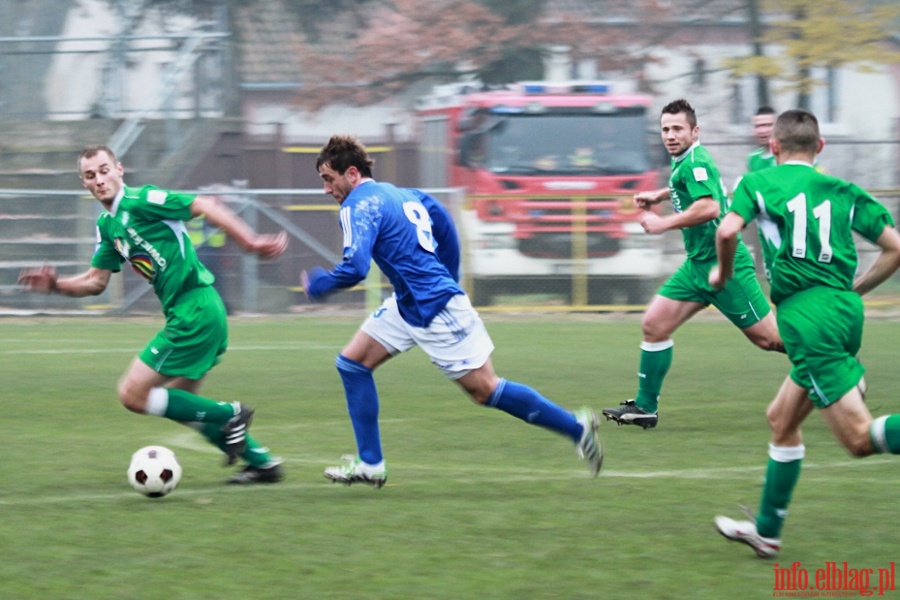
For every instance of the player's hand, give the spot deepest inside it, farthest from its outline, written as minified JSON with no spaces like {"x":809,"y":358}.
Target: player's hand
{"x":270,"y":245}
{"x":307,"y":280}
{"x":42,"y":279}
{"x":652,"y":222}
{"x":645,"y":200}
{"x":716,"y":281}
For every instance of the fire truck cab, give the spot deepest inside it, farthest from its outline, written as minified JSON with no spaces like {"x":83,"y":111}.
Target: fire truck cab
{"x":549,"y":171}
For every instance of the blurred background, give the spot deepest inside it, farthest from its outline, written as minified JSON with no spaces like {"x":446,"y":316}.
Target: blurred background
{"x":535,"y":121}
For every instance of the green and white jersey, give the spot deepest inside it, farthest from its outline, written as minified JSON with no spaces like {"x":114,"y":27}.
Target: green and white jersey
{"x":808,"y":218}
{"x":694,"y":176}
{"x":145,"y":226}
{"x":759,"y":159}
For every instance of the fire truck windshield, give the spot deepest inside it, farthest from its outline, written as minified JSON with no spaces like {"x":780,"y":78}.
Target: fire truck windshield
{"x":582,"y":143}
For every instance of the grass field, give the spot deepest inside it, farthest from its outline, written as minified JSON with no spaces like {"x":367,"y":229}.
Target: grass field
{"x":478,"y":505}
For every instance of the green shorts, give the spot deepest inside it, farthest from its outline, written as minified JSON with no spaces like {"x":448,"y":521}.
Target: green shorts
{"x":196,"y":334}
{"x":822,"y":331}
{"x":741,"y":300}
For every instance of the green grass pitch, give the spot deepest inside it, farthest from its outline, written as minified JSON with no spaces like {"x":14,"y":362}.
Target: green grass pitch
{"x":478,"y":504}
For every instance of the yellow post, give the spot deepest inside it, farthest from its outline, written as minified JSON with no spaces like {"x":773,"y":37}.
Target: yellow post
{"x":579,"y":251}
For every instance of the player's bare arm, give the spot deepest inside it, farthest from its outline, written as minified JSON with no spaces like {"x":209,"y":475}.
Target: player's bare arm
{"x":650,"y":197}
{"x":701,"y":211}
{"x":726,"y":246}
{"x":45,"y":280}
{"x":218,"y":214}
{"x":885,"y":265}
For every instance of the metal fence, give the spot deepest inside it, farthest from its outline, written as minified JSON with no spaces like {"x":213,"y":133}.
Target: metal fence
{"x":251,"y":285}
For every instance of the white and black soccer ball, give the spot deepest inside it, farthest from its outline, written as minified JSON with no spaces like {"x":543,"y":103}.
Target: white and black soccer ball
{"x":154,"y":471}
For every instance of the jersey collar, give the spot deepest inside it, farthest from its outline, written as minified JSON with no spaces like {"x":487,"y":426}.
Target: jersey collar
{"x":684,"y":154}
{"x":115,"y":204}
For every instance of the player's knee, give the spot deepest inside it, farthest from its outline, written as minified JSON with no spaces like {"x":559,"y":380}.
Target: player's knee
{"x":132,"y":397}
{"x":773,"y":345}
{"x":768,"y":341}
{"x":772,"y":419}
{"x":480,"y":396}
{"x":783,"y":433}
{"x":654,"y":331}
{"x":479,"y":389}
{"x":859,"y":446}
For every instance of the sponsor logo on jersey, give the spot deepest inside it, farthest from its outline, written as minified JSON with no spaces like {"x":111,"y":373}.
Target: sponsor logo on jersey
{"x":140,"y":242}
{"x":122,"y":247}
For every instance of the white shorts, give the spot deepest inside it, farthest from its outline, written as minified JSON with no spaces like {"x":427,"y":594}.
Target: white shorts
{"x":456,"y":341}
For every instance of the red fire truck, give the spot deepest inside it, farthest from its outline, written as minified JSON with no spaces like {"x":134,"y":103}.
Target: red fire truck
{"x":549,"y":170}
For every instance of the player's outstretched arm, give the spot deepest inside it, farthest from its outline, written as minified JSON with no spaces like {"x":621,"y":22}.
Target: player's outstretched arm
{"x":45,"y":280}
{"x":650,"y":197}
{"x":885,"y":265}
{"x":218,"y":214}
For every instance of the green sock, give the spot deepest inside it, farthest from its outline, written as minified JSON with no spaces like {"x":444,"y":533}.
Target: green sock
{"x":782,"y":475}
{"x":656,"y":358}
{"x":187,"y":407}
{"x":255,"y":454}
{"x":885,"y":434}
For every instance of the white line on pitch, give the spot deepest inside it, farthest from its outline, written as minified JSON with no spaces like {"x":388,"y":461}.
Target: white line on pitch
{"x":135,"y":349}
{"x":508,"y":476}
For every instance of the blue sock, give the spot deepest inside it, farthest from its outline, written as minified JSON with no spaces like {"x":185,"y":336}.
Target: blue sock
{"x":525,"y":403}
{"x":362,"y":404}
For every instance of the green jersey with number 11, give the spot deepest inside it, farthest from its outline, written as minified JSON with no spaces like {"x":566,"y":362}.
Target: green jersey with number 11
{"x":807,"y":219}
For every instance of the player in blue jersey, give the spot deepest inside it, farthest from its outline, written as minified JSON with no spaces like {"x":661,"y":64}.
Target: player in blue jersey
{"x":413,"y":241}
{"x":444,"y":232}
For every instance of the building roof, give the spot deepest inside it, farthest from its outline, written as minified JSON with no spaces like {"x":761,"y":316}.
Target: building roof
{"x":269,"y":40}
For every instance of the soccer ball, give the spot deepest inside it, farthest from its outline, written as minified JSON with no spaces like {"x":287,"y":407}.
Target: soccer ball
{"x":154,"y":471}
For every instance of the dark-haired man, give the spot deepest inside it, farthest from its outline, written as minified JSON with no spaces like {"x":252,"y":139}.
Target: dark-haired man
{"x":697,"y":194}
{"x":412,"y":241}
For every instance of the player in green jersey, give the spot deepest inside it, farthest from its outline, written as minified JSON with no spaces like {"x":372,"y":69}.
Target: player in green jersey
{"x":762,"y":157}
{"x":697,"y":195}
{"x":145,"y":226}
{"x":809,"y":218}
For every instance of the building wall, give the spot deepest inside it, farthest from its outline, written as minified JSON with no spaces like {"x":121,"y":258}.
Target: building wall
{"x":867,"y":106}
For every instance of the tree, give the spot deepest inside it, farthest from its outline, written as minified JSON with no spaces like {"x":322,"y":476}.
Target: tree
{"x":762,"y":83}
{"x":495,"y":41}
{"x":820,"y":33}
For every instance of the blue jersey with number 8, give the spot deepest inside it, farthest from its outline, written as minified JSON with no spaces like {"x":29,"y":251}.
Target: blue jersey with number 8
{"x":391,"y":226}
